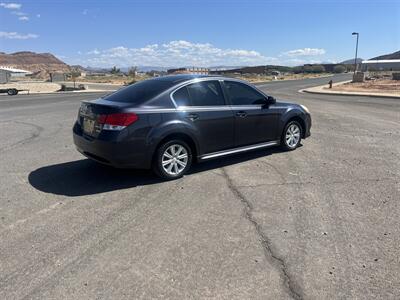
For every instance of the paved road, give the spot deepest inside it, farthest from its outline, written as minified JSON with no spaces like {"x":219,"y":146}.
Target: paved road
{"x":321,"y":222}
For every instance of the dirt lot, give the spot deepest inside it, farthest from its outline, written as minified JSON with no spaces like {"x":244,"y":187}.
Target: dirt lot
{"x":121,"y":80}
{"x":33,"y":87}
{"x":386,"y":86}
{"x":263,"y":78}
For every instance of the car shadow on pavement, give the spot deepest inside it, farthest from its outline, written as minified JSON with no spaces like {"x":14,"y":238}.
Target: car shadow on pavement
{"x":85,"y":177}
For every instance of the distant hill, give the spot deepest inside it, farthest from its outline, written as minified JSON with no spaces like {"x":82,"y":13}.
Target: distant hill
{"x":255,"y":69}
{"x":351,"y":61}
{"x":152,"y":68}
{"x":41,"y":64}
{"x":90,"y":69}
{"x":394,"y":55}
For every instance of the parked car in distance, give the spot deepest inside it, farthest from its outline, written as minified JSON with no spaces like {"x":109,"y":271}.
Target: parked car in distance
{"x":167,"y":123}
{"x":9,"y":91}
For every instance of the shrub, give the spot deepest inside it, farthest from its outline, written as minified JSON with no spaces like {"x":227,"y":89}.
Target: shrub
{"x":297,"y":70}
{"x":339,"y":69}
{"x":308,"y":69}
{"x":318,"y":69}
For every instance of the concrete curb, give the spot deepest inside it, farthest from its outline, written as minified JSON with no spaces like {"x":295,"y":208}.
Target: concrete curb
{"x":319,"y":90}
{"x":282,"y":80}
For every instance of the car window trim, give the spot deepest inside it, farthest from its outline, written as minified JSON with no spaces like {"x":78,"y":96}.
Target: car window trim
{"x":204,"y":108}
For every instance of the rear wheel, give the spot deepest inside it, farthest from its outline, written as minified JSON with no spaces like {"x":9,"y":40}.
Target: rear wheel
{"x":12,"y":92}
{"x":291,"y":135}
{"x":172,"y":159}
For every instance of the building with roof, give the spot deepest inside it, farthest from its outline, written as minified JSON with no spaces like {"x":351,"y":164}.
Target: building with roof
{"x":14,"y":72}
{"x":200,"y":71}
{"x":380,"y":65}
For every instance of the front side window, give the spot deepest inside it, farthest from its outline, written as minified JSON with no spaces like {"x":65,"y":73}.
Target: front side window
{"x":204,"y":93}
{"x":242,"y":94}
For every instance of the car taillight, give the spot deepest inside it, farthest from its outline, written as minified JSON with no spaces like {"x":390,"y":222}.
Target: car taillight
{"x":117,"y":121}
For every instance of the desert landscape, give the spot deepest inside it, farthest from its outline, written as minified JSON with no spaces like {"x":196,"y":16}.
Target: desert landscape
{"x":380,"y":85}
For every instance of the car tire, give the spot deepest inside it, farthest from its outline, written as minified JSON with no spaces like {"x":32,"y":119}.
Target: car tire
{"x":12,"y":92}
{"x":172,"y":159}
{"x":291,"y":136}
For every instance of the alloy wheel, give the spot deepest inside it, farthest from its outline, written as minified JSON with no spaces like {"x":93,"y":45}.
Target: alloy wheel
{"x":292,"y":136}
{"x":174,"y":159}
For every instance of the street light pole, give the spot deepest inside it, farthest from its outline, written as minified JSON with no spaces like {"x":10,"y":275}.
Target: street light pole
{"x":355,"y":59}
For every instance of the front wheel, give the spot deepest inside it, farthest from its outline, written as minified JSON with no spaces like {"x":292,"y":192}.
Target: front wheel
{"x":291,"y":136}
{"x":172,"y":159}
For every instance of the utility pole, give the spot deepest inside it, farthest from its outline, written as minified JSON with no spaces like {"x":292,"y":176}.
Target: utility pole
{"x":355,"y":58}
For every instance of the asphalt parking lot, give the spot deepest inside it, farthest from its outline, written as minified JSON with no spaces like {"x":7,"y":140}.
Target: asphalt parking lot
{"x":321,"y":222}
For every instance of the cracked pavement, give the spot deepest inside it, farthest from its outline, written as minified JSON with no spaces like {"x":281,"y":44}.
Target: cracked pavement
{"x":321,"y":222}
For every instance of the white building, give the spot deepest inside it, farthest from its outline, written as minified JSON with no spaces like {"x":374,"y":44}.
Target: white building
{"x":380,"y":65}
{"x":15,"y":72}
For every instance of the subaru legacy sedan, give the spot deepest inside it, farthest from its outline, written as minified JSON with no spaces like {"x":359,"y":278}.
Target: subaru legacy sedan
{"x":167,"y":123}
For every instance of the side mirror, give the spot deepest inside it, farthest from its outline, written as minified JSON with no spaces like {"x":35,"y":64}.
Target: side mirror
{"x":271,"y":100}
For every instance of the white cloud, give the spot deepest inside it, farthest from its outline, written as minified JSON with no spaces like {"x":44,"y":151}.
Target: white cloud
{"x":19,"y":13}
{"x":305,"y":52}
{"x":17,"y":36}
{"x":174,"y":53}
{"x":23,"y":18}
{"x":93,"y":52}
{"x":11,"y":5}
{"x":59,"y":56}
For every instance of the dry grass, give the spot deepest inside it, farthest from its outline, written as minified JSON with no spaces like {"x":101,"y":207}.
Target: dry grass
{"x":33,"y":87}
{"x":386,"y":86}
{"x":120,"y":80}
{"x":264,"y":78}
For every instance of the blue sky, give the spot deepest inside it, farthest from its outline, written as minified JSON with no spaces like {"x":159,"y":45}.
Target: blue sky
{"x":200,"y":33}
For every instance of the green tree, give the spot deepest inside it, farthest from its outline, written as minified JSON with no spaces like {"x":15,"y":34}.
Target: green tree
{"x":308,"y":69}
{"x":132,"y":71}
{"x":318,"y":69}
{"x":297,"y":70}
{"x":115,"y":70}
{"x":339,"y":69}
{"x":75,"y":73}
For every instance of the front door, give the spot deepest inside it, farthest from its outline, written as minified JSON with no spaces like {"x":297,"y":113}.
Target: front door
{"x":254,"y":122}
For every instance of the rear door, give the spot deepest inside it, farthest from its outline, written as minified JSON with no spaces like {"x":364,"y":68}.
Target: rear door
{"x":254,"y":122}
{"x":203,"y":105}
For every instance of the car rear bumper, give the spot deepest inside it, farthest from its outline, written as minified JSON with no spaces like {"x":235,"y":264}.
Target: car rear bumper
{"x":120,"y":154}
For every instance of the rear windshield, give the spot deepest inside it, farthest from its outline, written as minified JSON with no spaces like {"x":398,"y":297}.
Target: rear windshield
{"x":140,"y":92}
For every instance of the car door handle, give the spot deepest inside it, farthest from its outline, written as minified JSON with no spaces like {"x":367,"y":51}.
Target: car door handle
{"x":192,"y":117}
{"x":241,"y":114}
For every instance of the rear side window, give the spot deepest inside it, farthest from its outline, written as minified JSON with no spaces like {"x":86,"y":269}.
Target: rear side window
{"x":205,"y":93}
{"x":140,"y":92}
{"x":242,"y":94}
{"x":181,"y":97}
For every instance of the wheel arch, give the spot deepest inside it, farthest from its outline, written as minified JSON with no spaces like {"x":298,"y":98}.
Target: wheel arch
{"x":179,"y":136}
{"x":293,"y":115}
{"x":302,"y":123}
